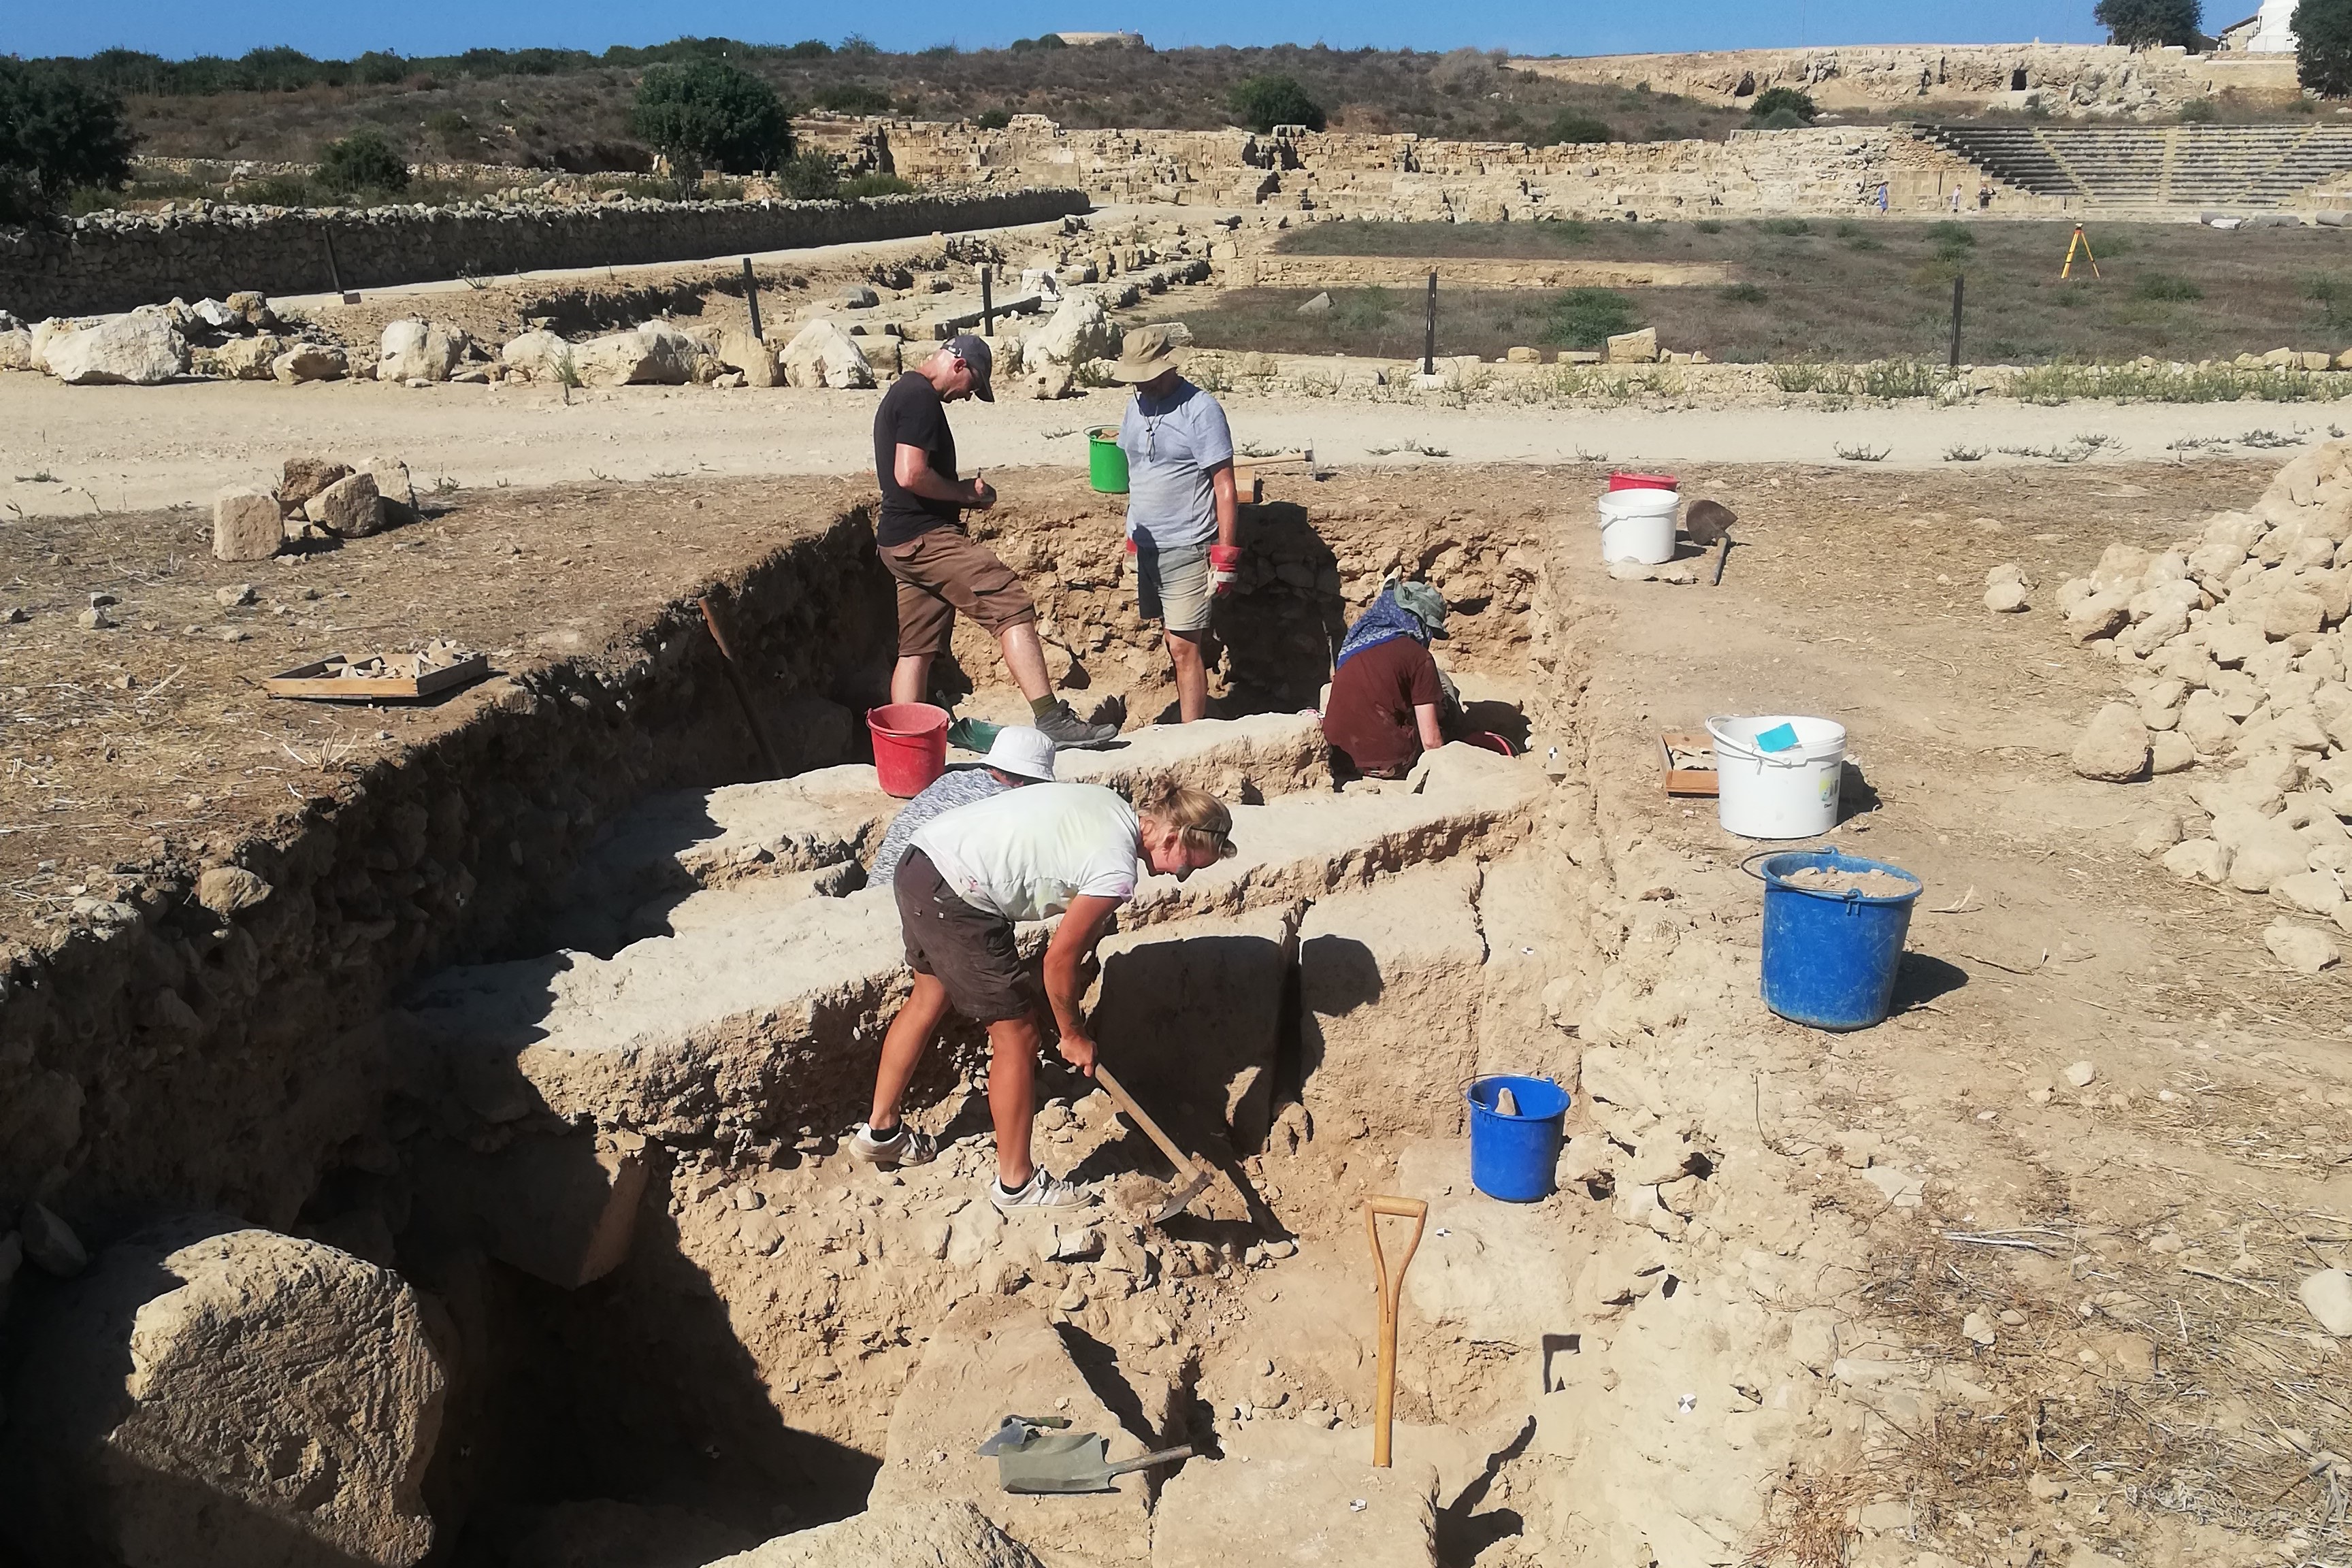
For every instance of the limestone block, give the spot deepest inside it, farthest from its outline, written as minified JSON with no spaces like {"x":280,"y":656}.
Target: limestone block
{"x":916,"y":1534}
{"x":755,"y":359}
{"x":1286,"y":1493}
{"x":305,"y":475}
{"x":246,"y":525}
{"x":1193,"y":1011}
{"x":2285,"y":615}
{"x":17,"y":349}
{"x":2115,"y":747}
{"x":986,"y":1357}
{"x":2205,"y":721}
{"x":536,"y":357}
{"x":563,"y":1209}
{"x":1079,"y":331}
{"x":2300,"y":948}
{"x":2102,"y":614}
{"x":413,"y":349}
{"x":348,"y":508}
{"x":310,"y":361}
{"x":1634,"y":347}
{"x":1499,"y":1273}
{"x":240,"y":359}
{"x":212,"y":1395}
{"x":1389,"y":995}
{"x":2169,"y":751}
{"x":822,"y":354}
{"x":137,"y":350}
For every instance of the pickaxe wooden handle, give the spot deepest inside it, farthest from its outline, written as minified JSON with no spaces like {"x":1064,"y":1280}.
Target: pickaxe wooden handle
{"x":1191,"y":1176}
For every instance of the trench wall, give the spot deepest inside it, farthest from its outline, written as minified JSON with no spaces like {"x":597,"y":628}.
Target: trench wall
{"x":113,"y":261}
{"x":190,"y":1060}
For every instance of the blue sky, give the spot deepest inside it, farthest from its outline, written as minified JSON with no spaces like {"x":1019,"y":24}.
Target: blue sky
{"x":175,"y":27}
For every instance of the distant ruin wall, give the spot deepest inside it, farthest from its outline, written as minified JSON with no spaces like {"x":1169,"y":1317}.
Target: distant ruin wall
{"x":113,"y":261}
{"x":2076,"y":78}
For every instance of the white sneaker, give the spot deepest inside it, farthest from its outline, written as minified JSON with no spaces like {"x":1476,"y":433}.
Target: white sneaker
{"x":904,"y":1146}
{"x":1041,"y":1192}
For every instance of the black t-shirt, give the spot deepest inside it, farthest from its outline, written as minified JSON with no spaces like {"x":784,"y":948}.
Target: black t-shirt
{"x":912,"y":416}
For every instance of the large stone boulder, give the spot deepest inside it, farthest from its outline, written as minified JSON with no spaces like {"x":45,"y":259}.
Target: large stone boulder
{"x":915,"y":1535}
{"x":248,"y":525}
{"x":1079,"y":331}
{"x":419,"y":350}
{"x":1286,"y":1493}
{"x":822,"y":354}
{"x":536,"y":356}
{"x":137,"y":350}
{"x":213,"y":1396}
{"x":2115,"y":747}
{"x":310,"y":361}
{"x":750,"y":355}
{"x":656,"y":354}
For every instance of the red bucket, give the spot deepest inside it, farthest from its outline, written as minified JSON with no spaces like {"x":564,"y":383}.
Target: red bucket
{"x":911,"y":746}
{"x":1623,"y":482}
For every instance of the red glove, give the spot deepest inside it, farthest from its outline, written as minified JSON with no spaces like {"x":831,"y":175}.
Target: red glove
{"x":1225,"y":561}
{"x":1130,"y":544}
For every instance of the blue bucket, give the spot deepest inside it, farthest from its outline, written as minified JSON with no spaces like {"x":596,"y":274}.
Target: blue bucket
{"x":1830,"y":958}
{"x":1512,"y":1157}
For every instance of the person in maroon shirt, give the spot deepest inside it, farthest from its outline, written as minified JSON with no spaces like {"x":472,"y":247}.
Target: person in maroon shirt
{"x":1388,"y":702}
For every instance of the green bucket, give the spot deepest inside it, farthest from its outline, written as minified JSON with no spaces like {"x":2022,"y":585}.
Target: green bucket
{"x":1106,"y":464}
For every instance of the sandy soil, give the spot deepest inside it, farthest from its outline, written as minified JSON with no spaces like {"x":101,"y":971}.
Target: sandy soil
{"x":111,"y":449}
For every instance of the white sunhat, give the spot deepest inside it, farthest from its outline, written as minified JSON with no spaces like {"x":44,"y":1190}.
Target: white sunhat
{"x":1023,"y":751}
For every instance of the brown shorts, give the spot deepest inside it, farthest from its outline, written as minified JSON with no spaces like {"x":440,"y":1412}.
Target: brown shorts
{"x":969,"y":951}
{"x":943,"y":571}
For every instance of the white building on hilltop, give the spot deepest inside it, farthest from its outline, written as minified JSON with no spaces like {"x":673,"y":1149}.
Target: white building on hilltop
{"x":2273,"y":31}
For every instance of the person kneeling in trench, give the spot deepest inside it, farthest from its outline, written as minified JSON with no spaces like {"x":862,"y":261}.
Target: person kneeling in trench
{"x":1388,"y":701}
{"x":1049,"y":848}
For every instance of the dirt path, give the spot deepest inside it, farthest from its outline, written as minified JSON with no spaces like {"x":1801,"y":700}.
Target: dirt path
{"x":134,"y":448}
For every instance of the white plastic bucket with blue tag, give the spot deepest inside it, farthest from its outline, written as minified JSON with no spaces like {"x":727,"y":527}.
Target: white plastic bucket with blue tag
{"x":1778,"y":775}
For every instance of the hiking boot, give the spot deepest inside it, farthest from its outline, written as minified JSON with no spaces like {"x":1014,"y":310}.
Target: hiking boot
{"x":903,"y":1146}
{"x":1067,"y":729}
{"x":1041,"y":1192}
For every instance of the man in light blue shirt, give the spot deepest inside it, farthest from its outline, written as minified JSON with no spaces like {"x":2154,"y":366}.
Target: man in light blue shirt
{"x":1182,"y":511}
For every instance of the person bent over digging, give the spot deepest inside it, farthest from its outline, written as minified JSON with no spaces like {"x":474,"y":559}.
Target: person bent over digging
{"x":939,"y":567}
{"x":1049,"y":848}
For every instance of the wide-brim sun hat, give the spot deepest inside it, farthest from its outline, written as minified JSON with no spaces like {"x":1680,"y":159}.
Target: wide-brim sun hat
{"x":1023,"y":752}
{"x":1147,"y":353}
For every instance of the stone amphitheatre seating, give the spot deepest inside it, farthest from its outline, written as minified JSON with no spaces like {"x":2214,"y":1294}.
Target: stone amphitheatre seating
{"x":2155,"y":166}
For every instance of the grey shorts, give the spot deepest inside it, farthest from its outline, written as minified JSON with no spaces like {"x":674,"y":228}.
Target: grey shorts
{"x":1172,"y":587}
{"x":971,"y":951}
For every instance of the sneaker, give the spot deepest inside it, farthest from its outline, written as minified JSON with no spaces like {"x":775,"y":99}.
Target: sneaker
{"x":1065,"y":729}
{"x":904,"y":1146}
{"x":1041,"y":1192}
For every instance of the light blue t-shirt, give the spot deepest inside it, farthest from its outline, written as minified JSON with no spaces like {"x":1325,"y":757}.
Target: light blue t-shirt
{"x":1174,"y":446}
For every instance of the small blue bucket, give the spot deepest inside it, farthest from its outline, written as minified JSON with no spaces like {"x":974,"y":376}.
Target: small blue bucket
{"x":1512,"y":1157}
{"x":1830,"y":958}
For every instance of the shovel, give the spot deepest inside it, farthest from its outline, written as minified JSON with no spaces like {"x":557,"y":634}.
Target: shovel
{"x":1070,"y":1462}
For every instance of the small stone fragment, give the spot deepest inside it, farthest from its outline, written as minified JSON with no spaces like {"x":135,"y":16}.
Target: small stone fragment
{"x":225,"y":889}
{"x":2328,"y":1297}
{"x":1978,"y":1329}
{"x":2114,"y":748}
{"x":2300,"y":948}
{"x":230,"y":598}
{"x":2005,"y":598}
{"x":246,"y":525}
{"x":2080,"y":1075}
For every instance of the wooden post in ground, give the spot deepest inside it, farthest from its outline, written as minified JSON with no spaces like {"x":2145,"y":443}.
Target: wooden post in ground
{"x":1429,"y":331}
{"x":1959,"y":284}
{"x":987,"y":300}
{"x":751,"y":297}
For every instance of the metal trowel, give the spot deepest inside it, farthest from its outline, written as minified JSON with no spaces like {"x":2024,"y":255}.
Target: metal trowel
{"x":1070,"y":1462}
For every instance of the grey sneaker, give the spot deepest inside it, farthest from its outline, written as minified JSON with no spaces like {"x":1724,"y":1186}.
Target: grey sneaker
{"x":904,"y":1146}
{"x":1065,"y":729}
{"x":1041,"y":1192}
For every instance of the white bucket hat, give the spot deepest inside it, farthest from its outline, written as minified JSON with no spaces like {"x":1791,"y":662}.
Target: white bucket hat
{"x":1023,"y":752}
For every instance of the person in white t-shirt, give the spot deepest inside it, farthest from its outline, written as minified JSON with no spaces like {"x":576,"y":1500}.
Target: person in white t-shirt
{"x":1067,"y":849}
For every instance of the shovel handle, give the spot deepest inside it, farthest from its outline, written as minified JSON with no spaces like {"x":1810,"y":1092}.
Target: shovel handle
{"x":1392,"y":1288}
{"x":1164,"y":1456}
{"x":1135,"y":1113}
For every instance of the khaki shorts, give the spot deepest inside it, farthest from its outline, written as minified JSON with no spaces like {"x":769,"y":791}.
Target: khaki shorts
{"x":1172,"y":585}
{"x":943,"y":571}
{"x":971,"y":951}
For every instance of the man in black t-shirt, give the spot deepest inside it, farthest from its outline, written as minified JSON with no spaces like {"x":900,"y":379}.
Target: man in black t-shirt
{"x":939,"y":567}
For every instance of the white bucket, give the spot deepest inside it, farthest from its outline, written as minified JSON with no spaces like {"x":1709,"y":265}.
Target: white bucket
{"x":1639,"y":525}
{"x":1790,"y":794}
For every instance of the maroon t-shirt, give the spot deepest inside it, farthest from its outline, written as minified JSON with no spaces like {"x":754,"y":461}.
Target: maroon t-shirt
{"x":1370,"y":716}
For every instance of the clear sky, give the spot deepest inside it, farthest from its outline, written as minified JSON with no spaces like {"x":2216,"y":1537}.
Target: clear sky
{"x":178,"y":27}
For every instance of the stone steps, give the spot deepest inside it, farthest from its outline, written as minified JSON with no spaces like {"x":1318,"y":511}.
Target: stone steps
{"x":2202,"y":166}
{"x":766,"y":1003}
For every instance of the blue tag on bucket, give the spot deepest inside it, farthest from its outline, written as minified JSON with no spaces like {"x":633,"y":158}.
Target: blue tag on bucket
{"x":1778,"y":738}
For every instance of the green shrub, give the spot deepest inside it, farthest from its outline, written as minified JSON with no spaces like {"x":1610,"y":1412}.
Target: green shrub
{"x":2197,"y":111}
{"x":812,"y":176}
{"x":708,"y":114}
{"x":57,"y":133}
{"x":2150,"y":24}
{"x":279,"y":191}
{"x":1777,"y":100}
{"x":854,"y":98}
{"x":1263,"y":103}
{"x":876,"y":185}
{"x":992,"y":119}
{"x":1788,"y":226}
{"x":1708,"y":225}
{"x":1042,"y":41}
{"x":2331,"y":293}
{"x":1572,"y":130}
{"x":2166,"y":286}
{"x":452,"y":133}
{"x":1959,"y":236}
{"x":1782,"y":120}
{"x":364,"y":161}
{"x":2322,"y":46}
{"x":1742,"y":293}
{"x":1588,"y":318}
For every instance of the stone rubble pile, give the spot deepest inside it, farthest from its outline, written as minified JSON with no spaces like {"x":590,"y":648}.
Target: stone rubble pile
{"x":2236,"y":640}
{"x":317,"y":498}
{"x":236,"y":339}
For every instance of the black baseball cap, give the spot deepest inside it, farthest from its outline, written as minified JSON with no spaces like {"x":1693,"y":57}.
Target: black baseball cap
{"x":974,"y":352}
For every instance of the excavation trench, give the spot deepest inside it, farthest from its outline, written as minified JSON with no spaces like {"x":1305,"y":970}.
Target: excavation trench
{"x":563,"y":1025}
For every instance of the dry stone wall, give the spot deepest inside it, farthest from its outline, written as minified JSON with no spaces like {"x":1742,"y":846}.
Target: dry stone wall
{"x":114,"y":261}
